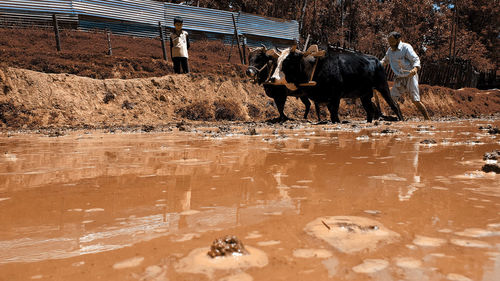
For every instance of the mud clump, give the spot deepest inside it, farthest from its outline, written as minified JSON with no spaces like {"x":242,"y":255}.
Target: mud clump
{"x":14,"y":116}
{"x":487,"y":168}
{"x":199,"y":110}
{"x":226,"y":109}
{"x":227,"y":246}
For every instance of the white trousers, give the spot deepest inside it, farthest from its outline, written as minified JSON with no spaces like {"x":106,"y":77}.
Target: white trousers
{"x":406,"y":85}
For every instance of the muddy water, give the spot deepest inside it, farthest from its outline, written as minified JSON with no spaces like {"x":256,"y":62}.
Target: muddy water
{"x":340,"y":202}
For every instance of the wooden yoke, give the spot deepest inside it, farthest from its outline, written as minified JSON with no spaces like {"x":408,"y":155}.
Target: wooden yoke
{"x":314,"y":52}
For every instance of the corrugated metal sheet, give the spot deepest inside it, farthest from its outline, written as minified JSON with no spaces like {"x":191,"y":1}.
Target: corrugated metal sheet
{"x":47,"y":6}
{"x":141,"y":17}
{"x":139,"y":11}
{"x":28,"y":17}
{"x":267,"y":27}
{"x":200,"y":19}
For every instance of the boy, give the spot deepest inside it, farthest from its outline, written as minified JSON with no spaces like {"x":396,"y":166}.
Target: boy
{"x":179,"y":45}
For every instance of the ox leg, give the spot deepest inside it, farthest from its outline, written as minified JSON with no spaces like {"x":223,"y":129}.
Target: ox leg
{"x":369,"y":107}
{"x":317,"y":107}
{"x":384,"y":91}
{"x":333,"y":107}
{"x":280,"y":104}
{"x":377,"y":108}
{"x":307,"y":103}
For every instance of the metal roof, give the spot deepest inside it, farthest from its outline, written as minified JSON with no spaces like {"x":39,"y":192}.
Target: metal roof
{"x":47,"y":6}
{"x":268,"y":27}
{"x":138,"y":11}
{"x":200,"y":19}
{"x":141,"y":17}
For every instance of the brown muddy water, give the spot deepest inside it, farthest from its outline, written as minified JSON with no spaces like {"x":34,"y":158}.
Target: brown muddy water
{"x":327,"y":202}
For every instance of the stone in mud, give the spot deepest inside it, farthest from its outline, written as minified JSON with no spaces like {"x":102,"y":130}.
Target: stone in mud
{"x":487,"y":168}
{"x":494,"y":131}
{"x":227,"y":246}
{"x":350,"y":234}
{"x":388,"y":131}
{"x":487,"y":127}
{"x":148,"y":128}
{"x":251,"y":132}
{"x":108,"y":97}
{"x":430,"y":141}
{"x":128,"y":105}
{"x":494,"y":155}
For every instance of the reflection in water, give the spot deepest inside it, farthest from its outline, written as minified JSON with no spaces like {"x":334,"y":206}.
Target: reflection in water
{"x":74,"y":196}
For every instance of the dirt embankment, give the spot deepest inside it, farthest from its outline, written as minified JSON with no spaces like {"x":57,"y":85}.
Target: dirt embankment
{"x":34,"y":100}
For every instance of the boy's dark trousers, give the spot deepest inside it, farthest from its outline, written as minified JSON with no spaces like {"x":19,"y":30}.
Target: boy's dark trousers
{"x":178,"y":62}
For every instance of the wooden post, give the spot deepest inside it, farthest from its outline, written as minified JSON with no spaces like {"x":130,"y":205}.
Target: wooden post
{"x":110,"y":50}
{"x":56,"y":32}
{"x":162,"y":38}
{"x":307,"y":42}
{"x":244,"y":47}
{"x":237,"y":39}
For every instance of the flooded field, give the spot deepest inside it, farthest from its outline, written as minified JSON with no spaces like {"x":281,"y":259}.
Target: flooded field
{"x":392,"y":201}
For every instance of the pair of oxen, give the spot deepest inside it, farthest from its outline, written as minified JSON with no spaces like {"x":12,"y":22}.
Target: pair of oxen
{"x":325,"y":77}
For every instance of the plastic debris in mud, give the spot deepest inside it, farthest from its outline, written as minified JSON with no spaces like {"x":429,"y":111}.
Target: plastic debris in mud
{"x":225,"y":246}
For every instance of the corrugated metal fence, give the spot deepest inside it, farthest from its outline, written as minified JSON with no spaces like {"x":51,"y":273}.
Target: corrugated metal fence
{"x":141,"y":17}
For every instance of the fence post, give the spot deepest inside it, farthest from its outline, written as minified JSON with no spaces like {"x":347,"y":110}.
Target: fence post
{"x":237,"y":39}
{"x":110,"y":50}
{"x":244,"y":47}
{"x":56,"y":32}
{"x":162,"y":38}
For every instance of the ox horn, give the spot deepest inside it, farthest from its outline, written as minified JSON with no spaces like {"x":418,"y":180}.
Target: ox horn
{"x":272,"y":53}
{"x":294,"y":47}
{"x":263,"y":46}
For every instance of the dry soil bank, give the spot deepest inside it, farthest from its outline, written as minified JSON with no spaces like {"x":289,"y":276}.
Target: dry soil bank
{"x":34,"y":100}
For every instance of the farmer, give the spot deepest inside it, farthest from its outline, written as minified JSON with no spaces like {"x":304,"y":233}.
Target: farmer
{"x":179,"y":45}
{"x":405,"y":64}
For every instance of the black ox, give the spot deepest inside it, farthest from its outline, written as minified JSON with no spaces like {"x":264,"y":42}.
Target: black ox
{"x":338,"y":75}
{"x":262,"y":63}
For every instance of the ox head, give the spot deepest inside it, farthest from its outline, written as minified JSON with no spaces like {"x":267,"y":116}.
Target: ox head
{"x":261,"y":62}
{"x":298,"y":66}
{"x":278,"y":77}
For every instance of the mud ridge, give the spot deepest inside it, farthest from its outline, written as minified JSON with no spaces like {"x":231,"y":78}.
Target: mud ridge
{"x":34,"y":100}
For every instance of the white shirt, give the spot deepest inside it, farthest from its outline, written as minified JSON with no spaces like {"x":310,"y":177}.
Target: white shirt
{"x":179,"y":44}
{"x":402,"y":60}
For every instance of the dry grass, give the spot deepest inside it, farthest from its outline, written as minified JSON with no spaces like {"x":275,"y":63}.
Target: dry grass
{"x":85,"y":54}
